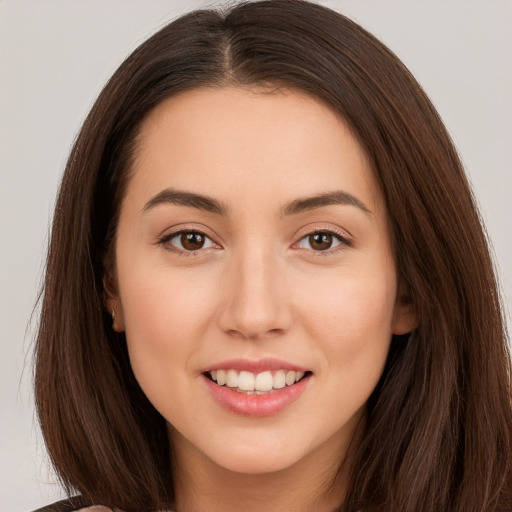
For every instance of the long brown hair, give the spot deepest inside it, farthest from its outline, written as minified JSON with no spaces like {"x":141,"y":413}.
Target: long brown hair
{"x":439,"y":429}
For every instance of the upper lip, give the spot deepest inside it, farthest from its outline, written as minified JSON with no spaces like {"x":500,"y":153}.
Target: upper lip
{"x":255,"y":365}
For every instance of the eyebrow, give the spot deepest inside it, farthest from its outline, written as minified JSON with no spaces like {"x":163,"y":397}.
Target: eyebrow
{"x":182,"y":198}
{"x":338,"y":197}
{"x":208,"y":204}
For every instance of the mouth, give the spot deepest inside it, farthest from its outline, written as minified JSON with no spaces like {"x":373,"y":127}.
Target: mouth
{"x":256,"y":388}
{"x":251,"y":383}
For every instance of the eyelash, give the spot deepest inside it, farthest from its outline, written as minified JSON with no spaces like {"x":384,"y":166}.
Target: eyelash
{"x":165,"y":241}
{"x":344,"y":242}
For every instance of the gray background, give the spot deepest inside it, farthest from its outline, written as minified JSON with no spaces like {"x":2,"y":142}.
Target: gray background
{"x":55,"y":55}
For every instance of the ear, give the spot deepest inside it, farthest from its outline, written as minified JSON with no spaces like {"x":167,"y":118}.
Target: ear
{"x":405,"y":318}
{"x":113,"y":301}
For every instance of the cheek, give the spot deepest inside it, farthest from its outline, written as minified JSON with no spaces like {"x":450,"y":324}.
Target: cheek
{"x":358,"y":307}
{"x":166,"y":317}
{"x":353,"y":332}
{"x":166,"y":313}
{"x":352,"y":324}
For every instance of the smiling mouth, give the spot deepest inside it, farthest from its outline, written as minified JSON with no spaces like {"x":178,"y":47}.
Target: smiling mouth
{"x":261,"y":383}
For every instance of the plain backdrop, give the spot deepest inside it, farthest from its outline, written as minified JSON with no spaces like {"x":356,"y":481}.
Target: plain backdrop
{"x":55,"y":56}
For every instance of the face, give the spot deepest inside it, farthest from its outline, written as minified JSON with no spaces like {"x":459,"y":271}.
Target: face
{"x":254,"y":277}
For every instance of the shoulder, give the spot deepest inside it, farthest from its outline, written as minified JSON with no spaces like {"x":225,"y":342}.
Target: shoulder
{"x":75,"y":504}
{"x":78,"y":504}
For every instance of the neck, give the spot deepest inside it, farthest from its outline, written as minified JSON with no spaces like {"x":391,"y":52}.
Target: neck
{"x":202,"y":485}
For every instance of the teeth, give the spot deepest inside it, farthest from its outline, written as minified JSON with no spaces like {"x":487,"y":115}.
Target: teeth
{"x":221,"y":377}
{"x":279,"y":379}
{"x":290,"y":378}
{"x":264,"y":381}
{"x":256,"y":383}
{"x":231,"y":378}
{"x":246,"y":381}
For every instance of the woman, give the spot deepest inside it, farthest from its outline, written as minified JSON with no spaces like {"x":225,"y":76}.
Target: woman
{"x":268,"y":286}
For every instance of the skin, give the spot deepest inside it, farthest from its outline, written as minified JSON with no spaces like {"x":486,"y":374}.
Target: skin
{"x":258,"y":288}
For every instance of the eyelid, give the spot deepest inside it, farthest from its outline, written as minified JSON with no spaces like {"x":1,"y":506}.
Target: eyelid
{"x":171,"y":233}
{"x":344,"y":238}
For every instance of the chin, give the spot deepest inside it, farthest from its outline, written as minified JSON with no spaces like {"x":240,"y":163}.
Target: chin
{"x":257,"y":464}
{"x":269,"y":456}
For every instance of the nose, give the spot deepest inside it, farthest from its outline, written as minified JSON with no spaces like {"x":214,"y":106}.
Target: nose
{"x":255,"y":304}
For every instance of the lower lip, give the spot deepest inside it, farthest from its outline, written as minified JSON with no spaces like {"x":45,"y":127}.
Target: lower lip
{"x":268,"y":404}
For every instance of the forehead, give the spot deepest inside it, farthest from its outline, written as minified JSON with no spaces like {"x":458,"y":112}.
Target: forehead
{"x":238,"y":143}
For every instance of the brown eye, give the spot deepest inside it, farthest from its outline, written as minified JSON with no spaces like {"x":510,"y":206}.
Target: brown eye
{"x":320,"y":241}
{"x":192,"y":241}
{"x":187,"y":241}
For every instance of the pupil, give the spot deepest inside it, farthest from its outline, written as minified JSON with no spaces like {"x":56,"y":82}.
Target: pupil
{"x":320,"y":241}
{"x":192,"y":241}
